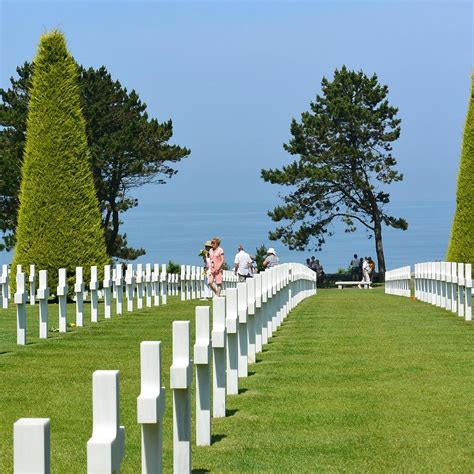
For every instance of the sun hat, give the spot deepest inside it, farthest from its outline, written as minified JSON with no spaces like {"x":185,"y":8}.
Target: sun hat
{"x":271,"y":250}
{"x":207,"y":243}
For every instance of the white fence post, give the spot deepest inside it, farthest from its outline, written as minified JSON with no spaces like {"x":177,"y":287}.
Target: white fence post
{"x":164,"y":284}
{"x":119,"y":289}
{"x":203,"y":378}
{"x":32,"y":280}
{"x":468,"y":302}
{"x":252,"y":352}
{"x":20,"y":301}
{"x":180,"y":382}
{"x":106,"y":285}
{"x":155,"y":277}
{"x":242,"y":328}
{"x":139,"y":280}
{"x":129,"y":286}
{"x":232,"y":345}
{"x":32,"y":446}
{"x":258,"y":312}
{"x":94,"y":289}
{"x":219,"y":357}
{"x":151,"y":407}
{"x":5,"y":282}
{"x":183,"y":282}
{"x":148,"y":285}
{"x":43,"y":295}
{"x":105,"y":449}
{"x":79,"y":291}
{"x":62,"y":300}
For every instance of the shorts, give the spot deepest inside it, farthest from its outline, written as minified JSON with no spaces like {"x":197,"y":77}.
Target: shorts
{"x":217,"y":279}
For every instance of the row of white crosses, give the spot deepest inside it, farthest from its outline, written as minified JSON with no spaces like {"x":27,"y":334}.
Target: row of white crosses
{"x":194,"y":286}
{"x":242,"y":323}
{"x":397,"y":281}
{"x":144,"y":282}
{"x":446,"y":285}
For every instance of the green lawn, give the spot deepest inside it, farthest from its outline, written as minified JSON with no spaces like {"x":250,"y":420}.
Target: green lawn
{"x":353,"y":381}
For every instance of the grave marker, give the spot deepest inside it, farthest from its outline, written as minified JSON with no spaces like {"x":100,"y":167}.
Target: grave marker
{"x":20,"y":301}
{"x":43,"y":295}
{"x":79,"y":291}
{"x":32,"y":446}
{"x":232,"y":345}
{"x":202,"y":352}
{"x":180,"y":382}
{"x":94,"y":289}
{"x":105,"y":449}
{"x":151,"y":407}
{"x":62,"y":300}
{"x":218,"y":357}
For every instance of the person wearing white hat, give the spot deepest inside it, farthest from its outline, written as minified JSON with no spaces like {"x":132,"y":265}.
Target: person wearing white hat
{"x":272,"y":260}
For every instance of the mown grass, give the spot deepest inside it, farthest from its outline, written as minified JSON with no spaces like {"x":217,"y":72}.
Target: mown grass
{"x":353,"y":381}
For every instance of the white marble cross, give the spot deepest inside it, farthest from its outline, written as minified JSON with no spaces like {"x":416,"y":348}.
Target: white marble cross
{"x":202,"y":353}
{"x":106,"y":285}
{"x":151,"y":407}
{"x":20,"y":301}
{"x":181,"y":376}
{"x":218,"y":337}
{"x":105,"y":449}
{"x":43,"y":295}
{"x":62,"y":299}
{"x":79,"y":291}
{"x":232,"y":342}
{"x":32,"y":446}
{"x":94,"y":288}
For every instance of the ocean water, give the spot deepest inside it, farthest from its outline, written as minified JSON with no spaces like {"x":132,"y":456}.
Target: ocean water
{"x":173,"y":231}
{"x":176,"y":231}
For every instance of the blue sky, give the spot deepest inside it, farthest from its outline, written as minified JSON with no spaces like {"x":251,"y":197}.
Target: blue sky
{"x":232,"y":75}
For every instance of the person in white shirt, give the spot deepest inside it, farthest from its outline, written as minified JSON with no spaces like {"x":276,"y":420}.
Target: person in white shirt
{"x":365,"y":273}
{"x":242,"y":264}
{"x":271,"y":260}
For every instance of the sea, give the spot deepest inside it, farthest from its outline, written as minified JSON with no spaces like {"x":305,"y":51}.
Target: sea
{"x":170,"y":231}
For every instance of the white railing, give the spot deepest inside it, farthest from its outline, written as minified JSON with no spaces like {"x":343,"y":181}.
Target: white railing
{"x":255,"y":309}
{"x":446,"y":285}
{"x":397,"y":282}
{"x":140,"y":285}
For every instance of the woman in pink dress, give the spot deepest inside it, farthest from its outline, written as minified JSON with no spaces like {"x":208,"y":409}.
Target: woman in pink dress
{"x":216,"y":256}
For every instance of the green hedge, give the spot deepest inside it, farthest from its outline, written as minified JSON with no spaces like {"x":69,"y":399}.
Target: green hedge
{"x":461,"y":246}
{"x":59,"y":222}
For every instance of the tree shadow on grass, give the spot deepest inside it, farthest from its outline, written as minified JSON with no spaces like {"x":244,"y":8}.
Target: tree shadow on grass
{"x":231,"y":411}
{"x":215,"y":438}
{"x":197,"y":471}
{"x":243,"y":390}
{"x":251,"y":372}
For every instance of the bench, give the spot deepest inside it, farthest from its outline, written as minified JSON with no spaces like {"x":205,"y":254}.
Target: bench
{"x":342,"y":284}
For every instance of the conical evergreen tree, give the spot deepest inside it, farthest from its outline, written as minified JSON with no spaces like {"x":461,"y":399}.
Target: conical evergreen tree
{"x":59,"y":222}
{"x":461,"y":246}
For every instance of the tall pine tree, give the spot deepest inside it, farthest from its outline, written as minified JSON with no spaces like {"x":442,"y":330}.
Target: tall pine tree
{"x":461,"y":246}
{"x":59,"y":222}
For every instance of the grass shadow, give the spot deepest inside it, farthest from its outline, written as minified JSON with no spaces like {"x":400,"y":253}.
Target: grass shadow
{"x":215,"y":438}
{"x":231,"y":412}
{"x":243,"y":390}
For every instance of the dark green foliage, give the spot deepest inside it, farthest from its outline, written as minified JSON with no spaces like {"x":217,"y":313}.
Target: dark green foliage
{"x":59,"y":221}
{"x":13,"y":113}
{"x":461,"y":245}
{"x":127,"y":149}
{"x":260,"y":255}
{"x":344,"y":148}
{"x":173,"y":267}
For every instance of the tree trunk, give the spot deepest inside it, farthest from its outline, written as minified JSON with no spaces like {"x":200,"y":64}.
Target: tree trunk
{"x":379,"y":248}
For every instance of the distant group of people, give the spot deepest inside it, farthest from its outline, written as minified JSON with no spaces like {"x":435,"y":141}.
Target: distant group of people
{"x":362,"y":269}
{"x":245,"y":264}
{"x":316,"y":266}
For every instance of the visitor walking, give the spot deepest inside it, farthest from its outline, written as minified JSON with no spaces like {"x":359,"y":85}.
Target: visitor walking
{"x":355,"y":268}
{"x":271,"y":259}
{"x":371,"y":268}
{"x":365,"y":273}
{"x":242,"y":264}
{"x":216,"y":257}
{"x":318,"y":268}
{"x":204,"y":253}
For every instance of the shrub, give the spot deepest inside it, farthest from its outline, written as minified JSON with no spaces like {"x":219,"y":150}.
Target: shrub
{"x":461,"y":246}
{"x":59,"y":222}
